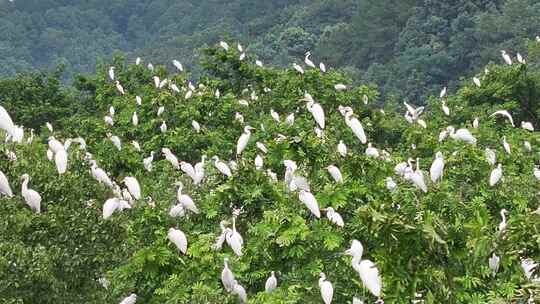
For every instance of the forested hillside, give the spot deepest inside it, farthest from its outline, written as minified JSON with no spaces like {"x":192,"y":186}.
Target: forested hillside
{"x":410,"y":48}
{"x":265,"y":185}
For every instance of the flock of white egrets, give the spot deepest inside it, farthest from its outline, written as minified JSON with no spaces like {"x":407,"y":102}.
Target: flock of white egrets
{"x":124,"y":198}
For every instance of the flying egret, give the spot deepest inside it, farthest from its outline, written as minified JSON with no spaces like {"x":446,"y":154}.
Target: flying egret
{"x":5,"y":188}
{"x":437,"y":167}
{"x":178,"y":238}
{"x":495,"y":175}
{"x":185,"y":200}
{"x":334,"y":217}
{"x":243,"y":140}
{"x":335,"y":173}
{"x":327,"y":291}
{"x":133,"y":186}
{"x":271,"y":283}
{"x":31,"y":197}
{"x":222,"y":167}
{"x":310,"y":201}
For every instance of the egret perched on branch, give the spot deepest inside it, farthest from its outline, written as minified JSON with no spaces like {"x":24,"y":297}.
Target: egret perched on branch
{"x":178,"y":238}
{"x":222,"y":167}
{"x":111,"y":73}
{"x":271,"y":283}
{"x":227,"y":277}
{"x":506,"y":145}
{"x":120,"y":88}
{"x":316,"y":111}
{"x":437,"y":167}
{"x":310,"y":201}
{"x":132,"y":299}
{"x":234,"y":239}
{"x":503,"y":224}
{"x":506,"y":57}
{"x":491,"y":157}
{"x":298,"y":68}
{"x":505,"y":114}
{"x":170,"y":157}
{"x":476,"y":81}
{"x":31,"y":197}
{"x":61,"y":161}
{"x":327,"y":291}
{"x":335,"y":173}
{"x":526,"y":125}
{"x":334,"y":217}
{"x":5,"y":188}
{"x":461,"y":135}
{"x":494,"y":264}
{"x":366,"y":269}
{"x":113,"y":204}
{"x":243,"y":140}
{"x":133,"y":186}
{"x":240,"y":291}
{"x":308,"y":61}
{"x":185,"y":200}
{"x":495,"y":175}
{"x":342,"y":149}
{"x":355,"y":126}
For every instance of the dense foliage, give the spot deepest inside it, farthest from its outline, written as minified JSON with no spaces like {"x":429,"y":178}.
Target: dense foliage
{"x":410,"y":48}
{"x":433,"y":246}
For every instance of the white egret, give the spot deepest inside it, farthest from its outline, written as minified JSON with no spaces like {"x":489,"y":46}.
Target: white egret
{"x":222,"y":167}
{"x":536,"y":173}
{"x":258,"y":63}
{"x":178,"y":238}
{"x":100,"y":175}
{"x":335,"y":173}
{"x":371,"y":151}
{"x":529,"y":266}
{"x":6,"y":123}
{"x":506,"y":145}
{"x":495,"y":175}
{"x":234,"y":239}
{"x":160,"y":110}
{"x":271,"y":283}
{"x":120,"y":88}
{"x":526,"y":125}
{"x":366,"y":269}
{"x":135,"y":119}
{"x":445,"y":108}
{"x":317,"y":112}
{"x":113,"y":204}
{"x":188,"y":169}
{"x":491,"y":157}
{"x":340,"y":87}
{"x":503,"y":224}
{"x":5,"y":188}
{"x":437,"y":167}
{"x":494,"y":264}
{"x":334,"y":217}
{"x":111,"y":73}
{"x":199,"y":171}
{"x":136,"y":145}
{"x":178,"y":65}
{"x":505,"y":114}
{"x":461,"y":135}
{"x":131,"y":299}
{"x":133,"y":186}
{"x":224,"y":45}
{"x":185,"y":200}
{"x":108,"y":120}
{"x":506,"y":57}
{"x":196,"y":126}
{"x":355,"y":126}
{"x":308,"y":61}
{"x":322,"y":67}
{"x":261,"y":147}
{"x":414,"y":112}
{"x":138,"y":100}
{"x":177,"y":211}
{"x":390,"y":184}
{"x":298,"y":68}
{"x":31,"y":197}
{"x":55,"y":145}
{"x":476,"y":123}
{"x":275,"y":115}
{"x":115,"y":140}
{"x":259,"y":162}
{"x":147,"y":162}
{"x":227,"y":277}
{"x":47,"y":124}
{"x":476,"y":81}
{"x":243,"y":140}
{"x":520,"y":58}
{"x":163,"y":127}
{"x":171,"y":157}
{"x":310,"y":201}
{"x":527,"y":145}
{"x":342,"y":149}
{"x":289,"y":120}
{"x":240,"y":291}
{"x":443,"y":135}
{"x":61,"y":161}
{"x":327,"y":291}
{"x":443,"y":93}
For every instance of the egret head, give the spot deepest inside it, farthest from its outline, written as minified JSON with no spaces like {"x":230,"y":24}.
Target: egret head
{"x":248,"y":129}
{"x":25,"y":176}
{"x":439,"y":155}
{"x":215,"y":158}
